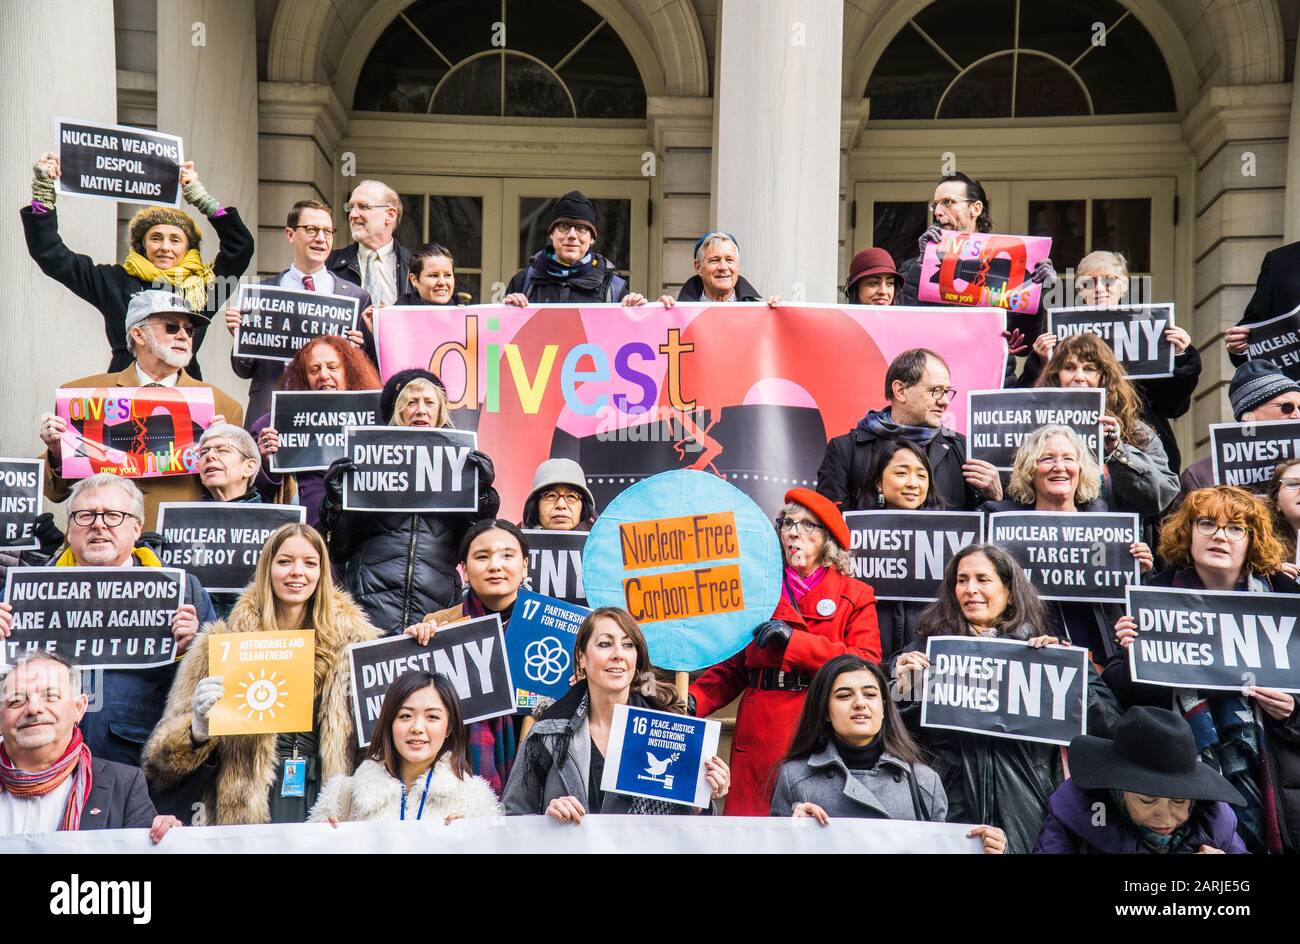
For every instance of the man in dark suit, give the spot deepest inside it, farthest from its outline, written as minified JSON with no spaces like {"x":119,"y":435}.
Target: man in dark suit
{"x":309,"y":229}
{"x":48,"y":779}
{"x":1277,"y":292}
{"x":375,"y":261}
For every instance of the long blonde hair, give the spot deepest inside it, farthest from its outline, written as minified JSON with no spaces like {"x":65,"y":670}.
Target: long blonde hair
{"x":320,"y":612}
{"x":442,"y":417}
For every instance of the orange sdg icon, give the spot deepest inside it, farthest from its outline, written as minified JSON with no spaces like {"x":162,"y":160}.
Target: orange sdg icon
{"x":268,"y":679}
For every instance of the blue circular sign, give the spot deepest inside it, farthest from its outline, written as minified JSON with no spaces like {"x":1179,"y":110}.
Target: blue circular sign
{"x":693,"y":559}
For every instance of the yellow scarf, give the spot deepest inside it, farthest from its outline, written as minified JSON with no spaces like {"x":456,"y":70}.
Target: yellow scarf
{"x":190,"y":278}
{"x":143,"y":555}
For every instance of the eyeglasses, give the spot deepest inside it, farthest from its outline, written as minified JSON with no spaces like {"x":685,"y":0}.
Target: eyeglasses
{"x":314,"y":231}
{"x":1289,"y":483}
{"x":568,"y":498}
{"x":941,"y":393}
{"x":222,"y":450}
{"x":1287,"y":408}
{"x":805,"y":527}
{"x":947,"y":203}
{"x":1070,"y":462}
{"x":565,"y":228}
{"x":1087,"y":283}
{"x":364,"y":207}
{"x":1209,"y":527}
{"x":112,"y":519}
{"x":174,"y":327}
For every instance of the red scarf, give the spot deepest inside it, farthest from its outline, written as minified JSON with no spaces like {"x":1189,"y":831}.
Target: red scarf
{"x":74,"y":762}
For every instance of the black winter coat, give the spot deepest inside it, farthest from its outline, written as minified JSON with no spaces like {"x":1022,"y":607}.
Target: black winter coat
{"x":542,"y":288}
{"x":109,"y":288}
{"x":999,"y":781}
{"x":400,"y":566}
{"x":1277,"y":290}
{"x":1279,"y":740}
{"x":843,"y":471}
{"x":897,"y":620}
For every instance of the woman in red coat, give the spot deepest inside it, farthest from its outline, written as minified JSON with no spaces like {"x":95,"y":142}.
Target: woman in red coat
{"x":824,"y":612}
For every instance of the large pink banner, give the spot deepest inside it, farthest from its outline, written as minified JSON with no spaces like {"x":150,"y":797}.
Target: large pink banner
{"x":134,"y":432}
{"x":986,"y":269}
{"x":744,"y":391}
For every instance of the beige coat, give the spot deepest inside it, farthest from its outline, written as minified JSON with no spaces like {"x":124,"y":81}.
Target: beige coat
{"x":246,"y":763}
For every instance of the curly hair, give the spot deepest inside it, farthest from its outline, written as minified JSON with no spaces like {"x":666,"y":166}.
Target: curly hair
{"x":1285,"y":533}
{"x":1236,"y":505}
{"x":358,"y":372}
{"x":1122,"y":399}
{"x":1025,"y":464}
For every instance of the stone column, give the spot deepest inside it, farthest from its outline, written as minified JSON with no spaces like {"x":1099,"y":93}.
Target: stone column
{"x":52,"y":68}
{"x":776,"y":154}
{"x":207,"y":93}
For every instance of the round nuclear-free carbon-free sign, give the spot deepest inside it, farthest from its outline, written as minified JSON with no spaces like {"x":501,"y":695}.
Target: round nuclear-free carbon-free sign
{"x":693,"y":559}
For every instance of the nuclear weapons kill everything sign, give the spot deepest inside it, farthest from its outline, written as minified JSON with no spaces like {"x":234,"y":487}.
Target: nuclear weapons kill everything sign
{"x":1000,"y":420}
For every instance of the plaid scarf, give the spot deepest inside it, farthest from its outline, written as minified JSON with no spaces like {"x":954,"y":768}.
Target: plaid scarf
{"x":74,"y":762}
{"x":492,"y":743}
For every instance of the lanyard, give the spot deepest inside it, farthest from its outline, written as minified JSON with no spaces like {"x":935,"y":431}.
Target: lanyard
{"x":423,"y":796}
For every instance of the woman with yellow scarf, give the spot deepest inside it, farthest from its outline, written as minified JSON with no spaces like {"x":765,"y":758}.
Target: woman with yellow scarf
{"x":164,"y":254}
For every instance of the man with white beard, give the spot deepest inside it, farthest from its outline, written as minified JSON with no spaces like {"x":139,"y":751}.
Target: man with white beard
{"x":159,"y":329}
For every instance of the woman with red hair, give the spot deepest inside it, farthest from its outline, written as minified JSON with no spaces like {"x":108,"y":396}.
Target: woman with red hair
{"x":327,"y":362}
{"x":1222,"y":538}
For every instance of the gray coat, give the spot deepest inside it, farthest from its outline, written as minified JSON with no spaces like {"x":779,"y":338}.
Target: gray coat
{"x":882,"y":792}
{"x":1140,"y":477}
{"x":555,"y":761}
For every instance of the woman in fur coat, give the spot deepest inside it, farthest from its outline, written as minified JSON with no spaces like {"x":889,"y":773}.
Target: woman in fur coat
{"x":418,"y":763}
{"x":267,"y":778}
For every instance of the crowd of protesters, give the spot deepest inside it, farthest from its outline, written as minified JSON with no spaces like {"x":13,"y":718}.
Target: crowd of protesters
{"x":824,"y":725}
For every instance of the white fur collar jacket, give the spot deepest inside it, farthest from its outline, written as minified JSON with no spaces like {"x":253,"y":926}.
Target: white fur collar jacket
{"x":372,"y":793}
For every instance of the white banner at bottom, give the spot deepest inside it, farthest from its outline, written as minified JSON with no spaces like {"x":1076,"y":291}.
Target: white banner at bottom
{"x":527,"y":834}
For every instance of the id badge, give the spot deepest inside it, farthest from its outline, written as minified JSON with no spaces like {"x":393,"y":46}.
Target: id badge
{"x":293,"y":782}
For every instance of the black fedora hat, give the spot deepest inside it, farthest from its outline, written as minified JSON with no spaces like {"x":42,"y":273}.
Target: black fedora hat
{"x":1153,"y":753}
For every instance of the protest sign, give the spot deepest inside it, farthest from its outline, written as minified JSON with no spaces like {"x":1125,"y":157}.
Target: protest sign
{"x":276,"y":323}
{"x":659,"y":755}
{"x":1277,"y":340}
{"x":1245,"y":454}
{"x":118,"y":163}
{"x":902,"y":554}
{"x":220,"y":542}
{"x":21,"y":484}
{"x":269,"y":681}
{"x":134,"y":432}
{"x":471,"y":653}
{"x":555,"y":564}
{"x":608,"y":834}
{"x":97,"y":617}
{"x":983,"y":269}
{"x":742,"y":390}
{"x":312,"y":424}
{"x":410,"y":468}
{"x":1134,"y":333}
{"x":540,"y":645}
{"x":696,"y":584}
{"x":1006,"y":688}
{"x":1000,"y":420}
{"x":1214,"y":639}
{"x":1076,"y":556}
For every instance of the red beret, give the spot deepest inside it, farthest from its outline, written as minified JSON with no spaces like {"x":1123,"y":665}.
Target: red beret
{"x":824,"y":510}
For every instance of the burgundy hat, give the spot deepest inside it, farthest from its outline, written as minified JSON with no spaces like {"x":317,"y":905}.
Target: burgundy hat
{"x":873,"y":261}
{"x":824,"y":510}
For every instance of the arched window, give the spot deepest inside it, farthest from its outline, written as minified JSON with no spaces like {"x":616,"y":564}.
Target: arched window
{"x":517,"y":59}
{"x":1020,"y":59}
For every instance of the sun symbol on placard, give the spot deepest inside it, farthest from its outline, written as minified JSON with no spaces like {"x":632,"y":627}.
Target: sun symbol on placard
{"x":260,"y":695}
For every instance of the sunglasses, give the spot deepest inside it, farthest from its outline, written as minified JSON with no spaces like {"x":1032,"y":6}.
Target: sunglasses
{"x":174,"y":328}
